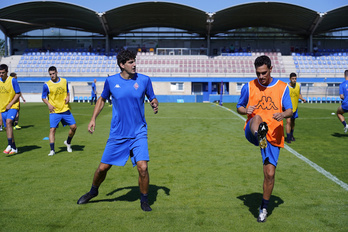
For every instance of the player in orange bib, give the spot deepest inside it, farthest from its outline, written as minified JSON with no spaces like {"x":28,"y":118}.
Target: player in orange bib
{"x":267,"y":102}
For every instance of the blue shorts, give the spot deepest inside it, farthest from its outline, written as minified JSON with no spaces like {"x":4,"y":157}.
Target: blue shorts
{"x":271,"y":152}
{"x":250,"y":136}
{"x":295,"y":114}
{"x":117,"y":151}
{"x":66,"y":118}
{"x":344,"y":107}
{"x":8,"y":114}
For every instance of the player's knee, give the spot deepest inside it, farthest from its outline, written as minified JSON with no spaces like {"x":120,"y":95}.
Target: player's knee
{"x":142,"y":169}
{"x":73,"y":127}
{"x":103,"y":168}
{"x":9,"y":123}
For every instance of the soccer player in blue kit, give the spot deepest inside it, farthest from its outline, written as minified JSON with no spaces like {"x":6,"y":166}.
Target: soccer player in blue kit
{"x":128,"y":130}
{"x":343,"y":108}
{"x":94,"y":92}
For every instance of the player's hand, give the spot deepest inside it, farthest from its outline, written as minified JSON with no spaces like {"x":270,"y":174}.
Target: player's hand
{"x":66,"y":100}
{"x":91,"y":126}
{"x":51,"y":108}
{"x":250,"y":109}
{"x":154,"y":105}
{"x":8,"y":106}
{"x":278,"y":116}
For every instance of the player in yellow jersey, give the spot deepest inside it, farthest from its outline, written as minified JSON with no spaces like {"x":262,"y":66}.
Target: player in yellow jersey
{"x":295,"y":94}
{"x":56,"y":96}
{"x":9,"y":105}
{"x":15,"y":123}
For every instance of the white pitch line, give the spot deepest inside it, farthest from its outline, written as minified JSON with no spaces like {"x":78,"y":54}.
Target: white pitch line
{"x":298,"y":155}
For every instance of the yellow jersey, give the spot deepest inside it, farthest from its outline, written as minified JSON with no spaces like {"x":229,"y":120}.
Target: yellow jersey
{"x":294,"y":95}
{"x":57,"y":92}
{"x":7,"y":93}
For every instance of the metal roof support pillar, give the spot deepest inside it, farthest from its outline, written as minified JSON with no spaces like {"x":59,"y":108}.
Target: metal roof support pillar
{"x":104,"y":23}
{"x":6,"y":47}
{"x":208,"y":45}
{"x":210,"y":20}
{"x":312,"y":29}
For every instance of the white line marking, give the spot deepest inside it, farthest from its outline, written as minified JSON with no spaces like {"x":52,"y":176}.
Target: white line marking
{"x":298,"y":155}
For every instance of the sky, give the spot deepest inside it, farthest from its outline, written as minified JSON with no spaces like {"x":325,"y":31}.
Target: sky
{"x":321,"y":6}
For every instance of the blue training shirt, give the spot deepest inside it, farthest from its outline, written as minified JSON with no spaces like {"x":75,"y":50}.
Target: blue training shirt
{"x":128,"y":96}
{"x":344,"y":91}
{"x":94,"y":89}
{"x":244,"y":96}
{"x":15,"y":85}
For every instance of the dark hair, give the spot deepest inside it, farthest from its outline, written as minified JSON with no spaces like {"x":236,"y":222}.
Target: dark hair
{"x":125,"y":55}
{"x":52,"y":68}
{"x":346,"y":73}
{"x":13,"y":74}
{"x":4,"y":67}
{"x":293,"y":75}
{"x":261,"y":60}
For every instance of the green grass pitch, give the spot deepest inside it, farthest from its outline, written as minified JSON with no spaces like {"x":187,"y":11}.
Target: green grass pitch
{"x":204,"y":175}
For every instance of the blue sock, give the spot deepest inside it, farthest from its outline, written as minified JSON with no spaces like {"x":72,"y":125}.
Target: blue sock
{"x":264,"y":204}
{"x":143,"y":197}
{"x":94,"y":190}
{"x":52,"y":146}
{"x":14,"y":145}
{"x":292,"y":133}
{"x":288,"y":136}
{"x":344,"y":123}
{"x":68,"y":141}
{"x":9,"y":141}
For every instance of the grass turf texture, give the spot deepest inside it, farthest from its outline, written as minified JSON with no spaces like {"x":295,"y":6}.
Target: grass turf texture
{"x":204,"y":175}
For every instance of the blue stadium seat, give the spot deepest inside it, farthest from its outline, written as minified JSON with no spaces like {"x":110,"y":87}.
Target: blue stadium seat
{"x":309,"y":100}
{"x":319,"y":100}
{"x":338,"y":99}
{"x":328,"y":99}
{"x":323,"y":100}
{"x":76,"y":99}
{"x":85,"y":99}
{"x":80,"y":99}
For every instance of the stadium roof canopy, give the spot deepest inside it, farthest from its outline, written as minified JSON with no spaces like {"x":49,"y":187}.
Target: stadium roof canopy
{"x":20,"y":18}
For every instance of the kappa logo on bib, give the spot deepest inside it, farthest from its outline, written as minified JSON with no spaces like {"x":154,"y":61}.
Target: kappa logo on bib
{"x":136,"y":86}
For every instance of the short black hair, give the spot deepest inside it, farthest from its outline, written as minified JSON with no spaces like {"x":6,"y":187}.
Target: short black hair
{"x":4,"y":67}
{"x":346,"y":73}
{"x":125,"y":55}
{"x":261,"y":60}
{"x":293,"y":75}
{"x":13,"y":74}
{"x":52,"y":68}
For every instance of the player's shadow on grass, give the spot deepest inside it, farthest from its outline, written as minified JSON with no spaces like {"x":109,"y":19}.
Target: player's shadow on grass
{"x":339,"y":135}
{"x":24,"y":149}
{"x":73,"y":147}
{"x":253,"y":201}
{"x":134,"y":194}
{"x":27,"y":126}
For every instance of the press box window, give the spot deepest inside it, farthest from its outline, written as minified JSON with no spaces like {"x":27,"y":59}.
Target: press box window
{"x":177,"y":86}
